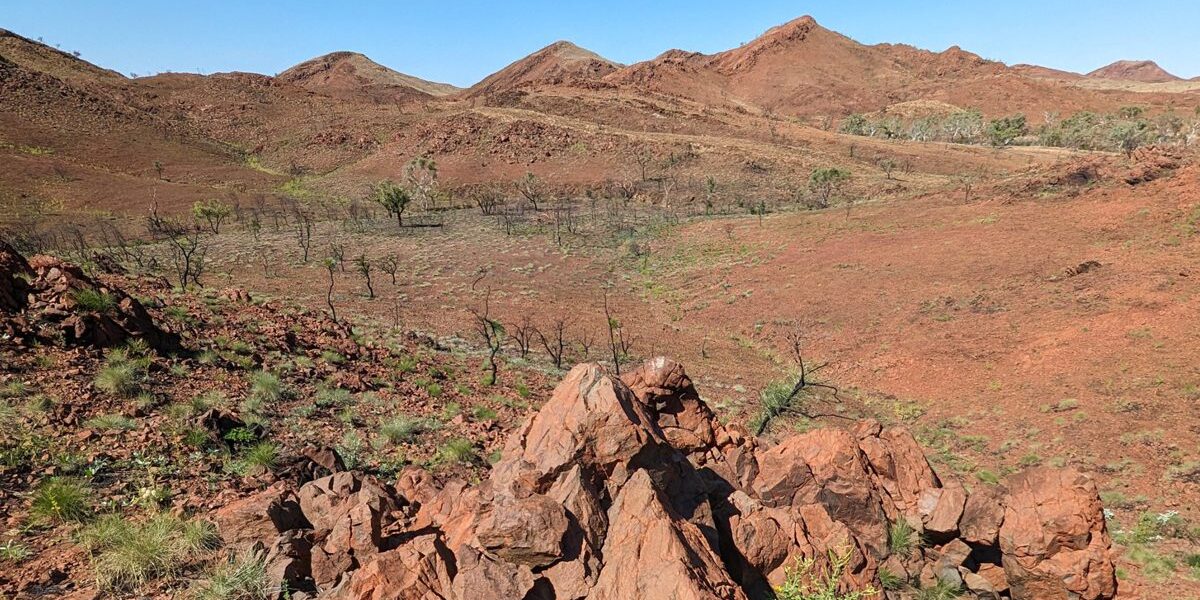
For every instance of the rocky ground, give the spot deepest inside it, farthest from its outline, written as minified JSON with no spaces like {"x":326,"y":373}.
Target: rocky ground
{"x":161,"y":444}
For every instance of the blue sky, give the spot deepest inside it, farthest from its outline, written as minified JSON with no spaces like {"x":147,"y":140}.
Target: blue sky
{"x":460,"y":42}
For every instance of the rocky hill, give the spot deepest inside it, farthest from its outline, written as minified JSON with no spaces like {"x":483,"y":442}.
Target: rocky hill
{"x":1143,"y":71}
{"x":350,"y":75}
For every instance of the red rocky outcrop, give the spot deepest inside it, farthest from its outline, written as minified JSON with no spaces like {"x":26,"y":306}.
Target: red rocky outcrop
{"x":633,"y":489}
{"x":41,"y":298}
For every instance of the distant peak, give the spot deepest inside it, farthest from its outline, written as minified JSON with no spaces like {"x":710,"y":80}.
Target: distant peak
{"x":1144,"y":71}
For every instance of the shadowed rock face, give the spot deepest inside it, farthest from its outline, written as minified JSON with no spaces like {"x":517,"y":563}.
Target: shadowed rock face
{"x":632,"y":489}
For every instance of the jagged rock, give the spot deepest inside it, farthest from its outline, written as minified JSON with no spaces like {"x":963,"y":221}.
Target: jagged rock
{"x":419,"y":569}
{"x":941,"y":508}
{"x":260,"y":517}
{"x":613,"y":492}
{"x":652,"y":553}
{"x":526,"y":531}
{"x":981,"y":518}
{"x":1054,"y":540}
{"x":348,"y":512}
{"x":288,"y":562}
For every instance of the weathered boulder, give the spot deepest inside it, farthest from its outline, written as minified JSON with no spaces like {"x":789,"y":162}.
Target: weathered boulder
{"x":421,"y":568}
{"x":259,"y":517}
{"x":1054,"y":540}
{"x":348,"y":512}
{"x":652,"y":553}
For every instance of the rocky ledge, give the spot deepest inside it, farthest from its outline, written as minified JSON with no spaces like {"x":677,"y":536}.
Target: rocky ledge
{"x":623,"y":488}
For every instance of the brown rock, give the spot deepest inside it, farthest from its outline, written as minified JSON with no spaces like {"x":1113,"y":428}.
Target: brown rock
{"x":981,"y":518}
{"x":527,"y":531}
{"x":420,"y":569}
{"x":652,"y":553}
{"x":1054,"y":541}
{"x":941,"y":508}
{"x":260,"y":517}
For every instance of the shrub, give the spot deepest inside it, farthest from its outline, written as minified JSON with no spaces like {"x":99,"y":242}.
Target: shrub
{"x":93,"y":300}
{"x":458,"y":450}
{"x":111,"y":422}
{"x":126,"y":554}
{"x":404,"y":428}
{"x":123,"y":372}
{"x":901,"y":537}
{"x":239,"y":578}
{"x":942,"y":590}
{"x":61,"y":500}
{"x":13,"y":551}
{"x":483,"y":413}
{"x":1002,"y":132}
{"x":825,"y":183}
{"x":805,"y":580}
{"x":257,"y":459}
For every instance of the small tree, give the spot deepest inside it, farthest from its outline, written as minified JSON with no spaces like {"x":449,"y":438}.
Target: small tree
{"x":390,"y":265}
{"x":188,"y":244}
{"x":619,"y":343}
{"x":531,"y":188}
{"x":825,"y":183}
{"x":393,"y":198}
{"x":331,"y":268}
{"x":855,"y":124}
{"x":158,"y":168}
{"x":523,"y":333}
{"x":1129,"y":135}
{"x":492,"y":333}
{"x":556,"y":343}
{"x":363,"y":266}
{"x":421,"y":175}
{"x":213,"y":212}
{"x":1002,"y":131}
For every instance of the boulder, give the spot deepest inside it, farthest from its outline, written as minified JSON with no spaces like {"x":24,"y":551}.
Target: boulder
{"x":941,"y":508}
{"x":349,"y":513}
{"x":419,"y":569}
{"x":259,"y":518}
{"x":14,"y":273}
{"x":652,"y":553}
{"x":1054,"y":541}
{"x":981,"y":518}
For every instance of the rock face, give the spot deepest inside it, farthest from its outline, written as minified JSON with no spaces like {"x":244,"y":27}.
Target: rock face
{"x":48,"y":298}
{"x":633,"y":489}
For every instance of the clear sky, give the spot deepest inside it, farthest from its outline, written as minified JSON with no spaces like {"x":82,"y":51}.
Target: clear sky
{"x":461,"y":41}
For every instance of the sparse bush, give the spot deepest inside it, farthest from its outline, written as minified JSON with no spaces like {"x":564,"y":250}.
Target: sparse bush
{"x":458,"y":450}
{"x":266,"y":387}
{"x":91,"y":300}
{"x":901,"y":537}
{"x":61,"y":500}
{"x":13,"y":551}
{"x":123,"y":372}
{"x":240,"y":578}
{"x":405,"y":428}
{"x":212,"y":212}
{"x":126,"y":554}
{"x":1002,"y":131}
{"x":257,"y":459}
{"x":111,"y":422}
{"x":825,"y":183}
{"x":806,"y":580}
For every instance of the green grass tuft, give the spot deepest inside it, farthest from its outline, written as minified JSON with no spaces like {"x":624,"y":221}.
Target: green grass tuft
{"x":127,"y":555}
{"x":61,"y":500}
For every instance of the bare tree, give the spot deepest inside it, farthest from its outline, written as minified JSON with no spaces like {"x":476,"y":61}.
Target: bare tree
{"x":304,"y":232}
{"x":390,"y":265}
{"x":188,"y":245}
{"x":618,"y":342}
{"x":531,"y":188}
{"x":363,"y":266}
{"x":331,"y":268}
{"x":523,"y":332}
{"x":773,"y":407}
{"x":492,"y":333}
{"x":644,"y":159}
{"x":556,"y":343}
{"x":337,"y":251}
